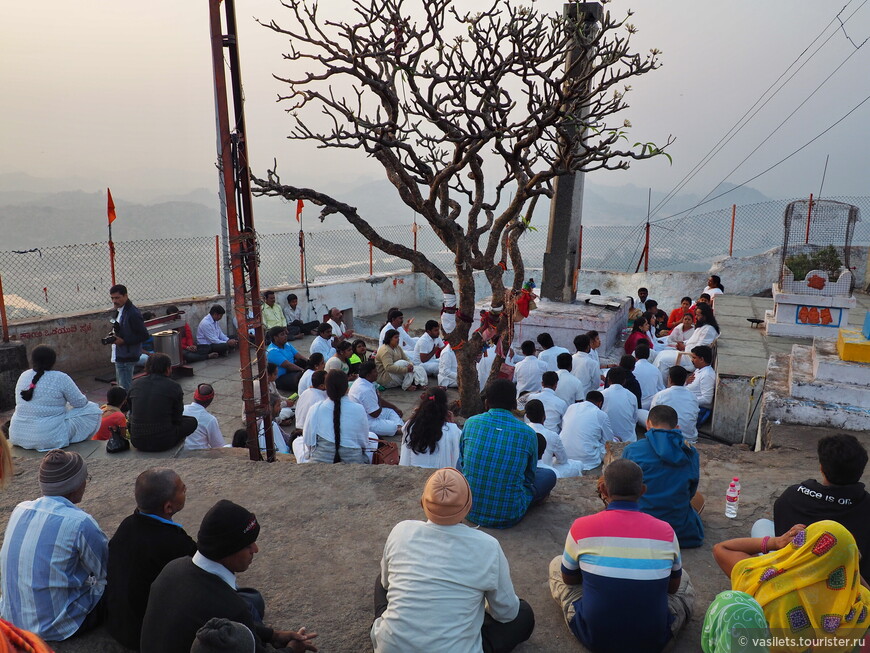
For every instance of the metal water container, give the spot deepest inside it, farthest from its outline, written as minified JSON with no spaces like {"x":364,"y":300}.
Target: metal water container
{"x":169,"y":343}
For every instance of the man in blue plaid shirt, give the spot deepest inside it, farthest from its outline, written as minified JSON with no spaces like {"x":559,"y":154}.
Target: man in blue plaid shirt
{"x":498,"y":454}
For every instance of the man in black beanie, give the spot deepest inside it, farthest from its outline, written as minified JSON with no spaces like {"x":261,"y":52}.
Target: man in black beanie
{"x":190,"y":591}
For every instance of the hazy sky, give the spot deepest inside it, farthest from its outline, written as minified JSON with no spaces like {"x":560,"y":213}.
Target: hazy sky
{"x":121,"y":92}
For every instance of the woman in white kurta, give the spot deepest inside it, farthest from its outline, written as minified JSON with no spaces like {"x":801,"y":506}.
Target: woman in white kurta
{"x":320,"y":434}
{"x":430,"y":438}
{"x":50,"y":411}
{"x":682,"y":332}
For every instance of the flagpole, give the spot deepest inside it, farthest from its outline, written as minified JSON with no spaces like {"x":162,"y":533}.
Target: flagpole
{"x":110,"y":211}
{"x":301,"y":242}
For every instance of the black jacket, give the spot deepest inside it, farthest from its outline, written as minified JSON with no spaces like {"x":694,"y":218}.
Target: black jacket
{"x":182,"y":599}
{"x":810,"y":501}
{"x":138,"y":552}
{"x":131,"y":327}
{"x":156,"y":406}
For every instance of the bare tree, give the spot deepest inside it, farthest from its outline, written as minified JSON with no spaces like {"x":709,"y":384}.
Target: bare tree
{"x":471,"y":115}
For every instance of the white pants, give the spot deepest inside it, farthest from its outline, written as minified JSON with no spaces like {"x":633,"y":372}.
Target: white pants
{"x":668,"y":358}
{"x":431,"y":366}
{"x":642,"y":415}
{"x":385,"y":424}
{"x":416,"y":376}
{"x":567,"y":470}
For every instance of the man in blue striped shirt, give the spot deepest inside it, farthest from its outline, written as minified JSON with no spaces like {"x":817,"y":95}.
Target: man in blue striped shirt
{"x":53,"y":559}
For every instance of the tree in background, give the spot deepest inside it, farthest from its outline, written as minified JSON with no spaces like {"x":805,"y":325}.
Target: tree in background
{"x":471,"y":115}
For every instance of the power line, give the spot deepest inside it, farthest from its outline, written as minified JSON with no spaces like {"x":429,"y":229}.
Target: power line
{"x":737,"y":127}
{"x":768,"y":169}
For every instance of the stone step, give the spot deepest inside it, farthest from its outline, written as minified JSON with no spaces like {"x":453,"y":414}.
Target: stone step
{"x":829,"y":367}
{"x":804,"y":385}
{"x":779,"y":406}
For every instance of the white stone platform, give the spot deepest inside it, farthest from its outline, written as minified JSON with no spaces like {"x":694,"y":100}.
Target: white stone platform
{"x":805,"y":311}
{"x":812,"y":386}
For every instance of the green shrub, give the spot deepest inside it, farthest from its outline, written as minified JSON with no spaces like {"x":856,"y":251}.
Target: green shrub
{"x":826,"y":259}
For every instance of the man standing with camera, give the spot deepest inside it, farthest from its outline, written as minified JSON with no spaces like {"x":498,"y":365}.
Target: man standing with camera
{"x":128,"y":334}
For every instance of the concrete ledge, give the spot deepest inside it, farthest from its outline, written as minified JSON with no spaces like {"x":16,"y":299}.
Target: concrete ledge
{"x":830,"y":368}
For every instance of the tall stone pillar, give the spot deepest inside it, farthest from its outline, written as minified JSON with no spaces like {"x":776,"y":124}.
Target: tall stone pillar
{"x":566,"y":208}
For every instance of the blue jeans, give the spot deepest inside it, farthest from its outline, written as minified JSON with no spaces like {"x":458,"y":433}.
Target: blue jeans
{"x":124,"y":374}
{"x":545,"y":481}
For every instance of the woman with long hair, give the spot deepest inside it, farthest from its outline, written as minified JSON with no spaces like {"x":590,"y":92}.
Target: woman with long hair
{"x":50,"y":411}
{"x":336,"y":430}
{"x":714,"y":287}
{"x":395,"y":368}
{"x":706,"y":333}
{"x":639,"y":333}
{"x":806,"y":581}
{"x":430,"y":438}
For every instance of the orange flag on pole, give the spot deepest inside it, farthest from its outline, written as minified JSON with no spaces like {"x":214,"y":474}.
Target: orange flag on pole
{"x":299,"y":211}
{"x":111,"y":207}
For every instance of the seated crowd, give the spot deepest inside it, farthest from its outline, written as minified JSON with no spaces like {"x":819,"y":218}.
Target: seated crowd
{"x":442,"y":585}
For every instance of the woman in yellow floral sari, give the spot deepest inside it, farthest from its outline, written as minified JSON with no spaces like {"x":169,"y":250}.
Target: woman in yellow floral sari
{"x":808,"y":584}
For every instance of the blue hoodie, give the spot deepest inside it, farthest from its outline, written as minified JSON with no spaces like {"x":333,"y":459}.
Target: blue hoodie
{"x":670,"y":471}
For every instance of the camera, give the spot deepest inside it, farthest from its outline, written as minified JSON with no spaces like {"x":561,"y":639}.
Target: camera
{"x":109,"y":339}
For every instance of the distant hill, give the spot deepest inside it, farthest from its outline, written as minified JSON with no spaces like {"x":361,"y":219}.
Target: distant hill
{"x":38,"y":212}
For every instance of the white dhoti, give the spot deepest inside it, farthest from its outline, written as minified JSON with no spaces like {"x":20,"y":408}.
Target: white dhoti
{"x":567,"y":470}
{"x":431,"y":366}
{"x":385,"y":424}
{"x":416,"y":376}
{"x":670,"y":357}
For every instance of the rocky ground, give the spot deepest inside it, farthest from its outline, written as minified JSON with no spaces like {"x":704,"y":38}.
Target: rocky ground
{"x":324,"y":526}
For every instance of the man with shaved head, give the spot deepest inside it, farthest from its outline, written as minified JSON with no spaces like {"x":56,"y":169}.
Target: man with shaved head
{"x":143,"y":544}
{"x":621,"y":562}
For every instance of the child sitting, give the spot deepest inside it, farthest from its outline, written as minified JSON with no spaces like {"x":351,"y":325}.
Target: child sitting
{"x":113,"y":413}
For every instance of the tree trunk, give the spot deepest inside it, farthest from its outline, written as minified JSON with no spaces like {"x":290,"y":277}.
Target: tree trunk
{"x":466,"y":356}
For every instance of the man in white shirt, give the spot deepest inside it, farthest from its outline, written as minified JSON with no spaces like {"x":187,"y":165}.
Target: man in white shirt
{"x":554,"y":407}
{"x":271,"y":313}
{"x":323,"y":342}
{"x":553,"y":455}
{"x":339,"y":328}
{"x":648,"y":376}
{"x":448,"y":368}
{"x":620,"y":404}
{"x":385,"y":419}
{"x":570,"y":388}
{"x":528,"y":372}
{"x":681,"y":400}
{"x":550,"y":352}
{"x":440,"y":578}
{"x":307,"y":400}
{"x":395,"y":319}
{"x":585,"y":429}
{"x":702,"y":383}
{"x":428,"y":347}
{"x":584,"y":365}
{"x":209,"y":335}
{"x":208,"y":433}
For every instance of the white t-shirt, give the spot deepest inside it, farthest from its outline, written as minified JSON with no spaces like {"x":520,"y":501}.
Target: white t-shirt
{"x":704,"y":386}
{"x":620,"y":404}
{"x":338,"y":328}
{"x":207,"y":434}
{"x":448,"y":368}
{"x":365,"y":394}
{"x":650,"y":379}
{"x":425,"y":345}
{"x":306,"y":400}
{"x":585,"y":367}
{"x":585,"y":429}
{"x":439,"y":580}
{"x":570,"y":389}
{"x":323,"y":346}
{"x":554,"y":407}
{"x":555,"y":451}
{"x":405,"y":341}
{"x":549,"y":356}
{"x":446,"y":452}
{"x":528,"y":373}
{"x":685,"y":403}
{"x":304,"y":381}
{"x":678,"y":334}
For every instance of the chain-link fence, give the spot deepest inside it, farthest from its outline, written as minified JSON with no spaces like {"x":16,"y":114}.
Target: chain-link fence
{"x":72,"y":278}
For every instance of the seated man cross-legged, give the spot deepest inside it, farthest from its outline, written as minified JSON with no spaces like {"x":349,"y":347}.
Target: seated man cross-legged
{"x":428,"y":347}
{"x":499,"y":456}
{"x":618,"y":563}
{"x":157,"y":419}
{"x":444,"y":586}
{"x":210,"y":338}
{"x":671,"y":472}
{"x":385,"y":419}
{"x":289,"y":361}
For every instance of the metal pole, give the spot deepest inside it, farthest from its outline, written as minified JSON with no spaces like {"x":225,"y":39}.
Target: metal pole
{"x":646,"y":250}
{"x":217,"y":258}
{"x":3,"y":321}
{"x":240,"y":227}
{"x":371,"y":260}
{"x":733,"y":216}
{"x":301,"y":257}
{"x":112,"y":254}
{"x":809,"y":216}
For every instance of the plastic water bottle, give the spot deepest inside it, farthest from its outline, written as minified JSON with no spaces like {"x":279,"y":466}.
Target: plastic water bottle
{"x":732,"y":498}
{"x":736,"y":482}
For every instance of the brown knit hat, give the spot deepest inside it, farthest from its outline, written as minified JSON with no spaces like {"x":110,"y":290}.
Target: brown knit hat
{"x":61,"y":472}
{"x":446,"y":497}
